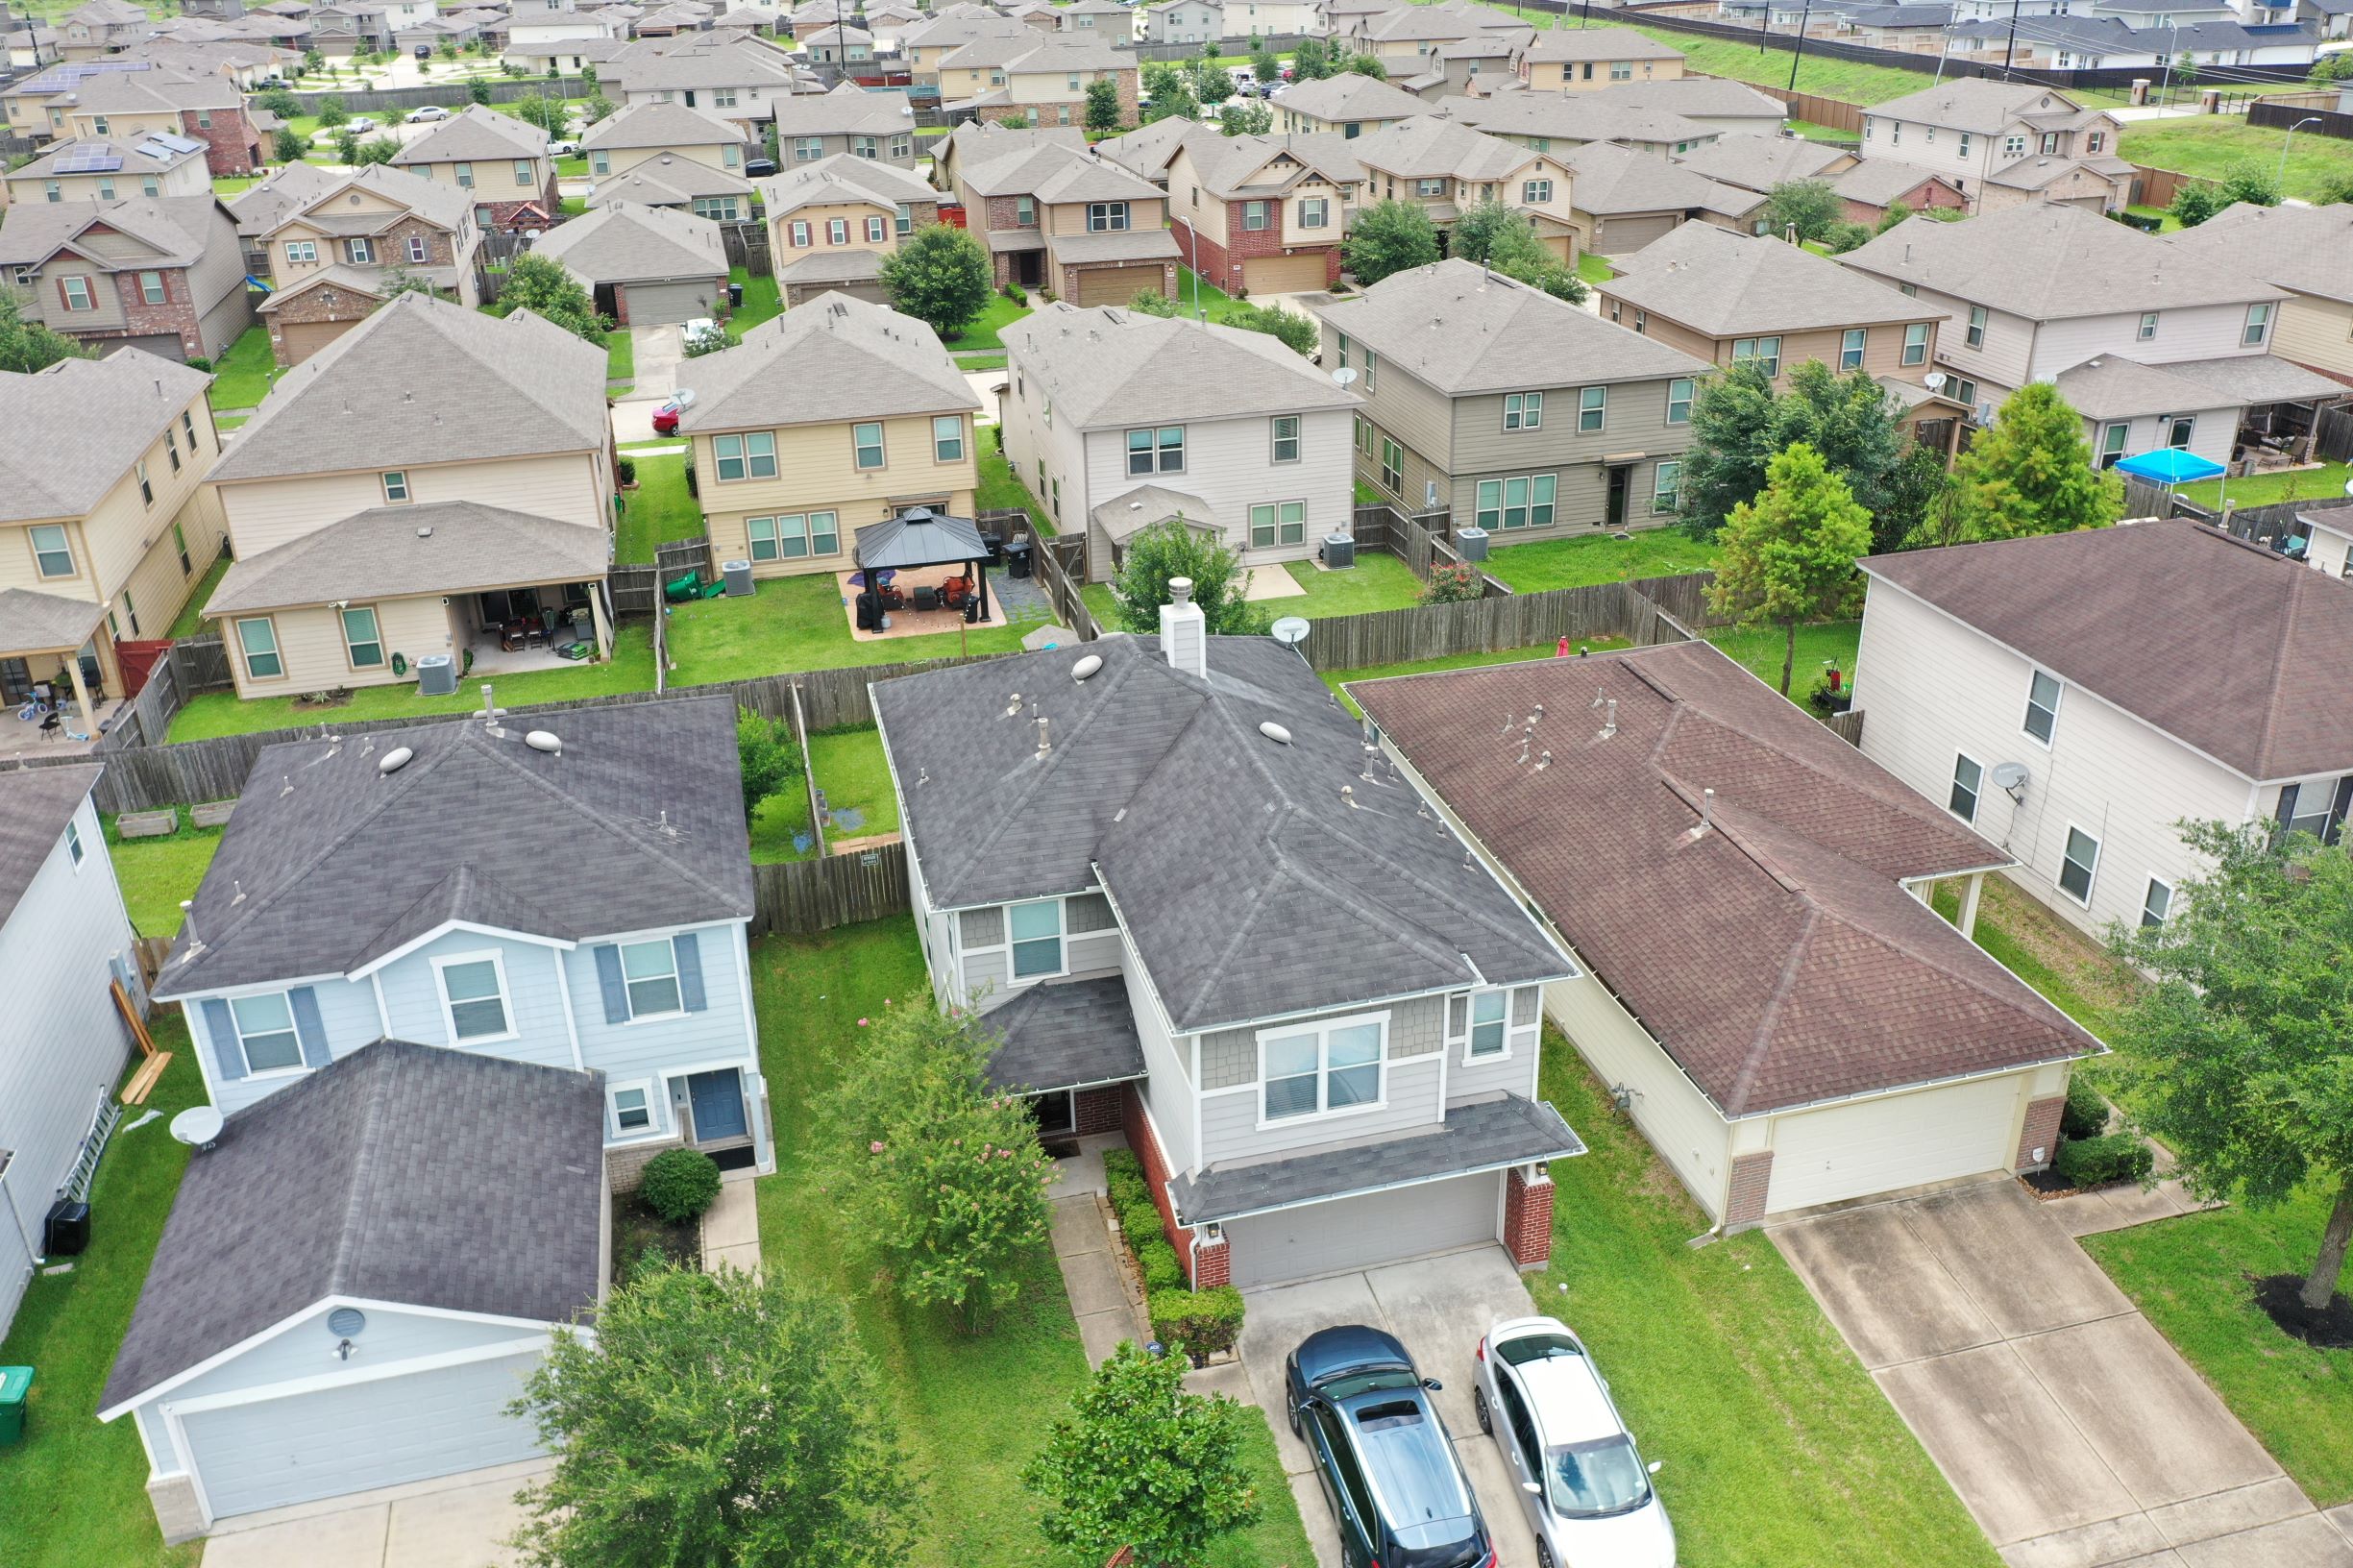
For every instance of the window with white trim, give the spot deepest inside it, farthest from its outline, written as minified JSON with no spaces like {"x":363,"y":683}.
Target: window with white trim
{"x":1336,"y":1066}
{"x":632,"y":1108}
{"x":1915,"y":343}
{"x":2257,"y":326}
{"x":751,"y":457}
{"x":1522,"y":501}
{"x":258,"y":641}
{"x":2043,"y":707}
{"x":1393,"y":465}
{"x":794,"y":536}
{"x":1765,"y":351}
{"x":1968,"y":779}
{"x":363,"y":640}
{"x":1678,"y":401}
{"x":73,"y":843}
{"x":53,"y":551}
{"x":1667,"y":486}
{"x":2157,"y":902}
{"x":947,"y":438}
{"x":1491,"y":1025}
{"x":866,"y":444}
{"x":649,"y":978}
{"x":1592,"y":408}
{"x":265,"y":1033}
{"x":1851,"y":346}
{"x":2080,"y":866}
{"x":877,"y":229}
{"x":1106,"y":217}
{"x":396,"y":485}
{"x":1035,"y":930}
{"x":1279,"y":522}
{"x":474,"y":997}
{"x":801,"y":234}
{"x":1161,"y":449}
{"x":1523,"y":411}
{"x":1535,"y":192}
{"x":2148,"y":325}
{"x":837,"y":230}
{"x":416,"y":248}
{"x":1285,"y":438}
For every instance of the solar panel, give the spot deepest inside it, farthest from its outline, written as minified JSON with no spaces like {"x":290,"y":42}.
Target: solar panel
{"x":102,"y":160}
{"x":177,"y":143}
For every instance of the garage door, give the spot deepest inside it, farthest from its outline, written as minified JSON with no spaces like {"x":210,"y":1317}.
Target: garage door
{"x":1284,"y":274}
{"x":305,"y":338}
{"x":382,"y":1432}
{"x":1116,"y":286}
{"x":1855,"y":1151}
{"x":1624,"y":237}
{"x":1359,"y":1232}
{"x":666,"y":305}
{"x":162,"y":345}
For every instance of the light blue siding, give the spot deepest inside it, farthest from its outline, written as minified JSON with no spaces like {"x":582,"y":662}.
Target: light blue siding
{"x":159,"y":1435}
{"x":534,"y":1002}
{"x":1474,"y":1080}
{"x":347,"y":1012}
{"x":1229,"y":1130}
{"x":645,"y":1049}
{"x":307,"y":1350}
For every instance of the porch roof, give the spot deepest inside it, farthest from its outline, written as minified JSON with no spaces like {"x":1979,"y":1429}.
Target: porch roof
{"x":37,"y":623}
{"x":1067,"y":1035}
{"x":446,"y":546}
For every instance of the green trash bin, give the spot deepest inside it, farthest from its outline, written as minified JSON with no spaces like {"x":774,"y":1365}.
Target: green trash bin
{"x":16,"y":1383}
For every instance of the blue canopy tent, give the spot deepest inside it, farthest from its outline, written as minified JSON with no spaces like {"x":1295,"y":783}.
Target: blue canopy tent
{"x":2171,"y":466}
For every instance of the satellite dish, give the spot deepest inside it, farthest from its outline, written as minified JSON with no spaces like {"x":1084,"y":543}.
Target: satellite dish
{"x":198,"y":1126}
{"x":1934,"y":381}
{"x":2011,"y":776}
{"x":1344,"y":375}
{"x":1291,"y":630}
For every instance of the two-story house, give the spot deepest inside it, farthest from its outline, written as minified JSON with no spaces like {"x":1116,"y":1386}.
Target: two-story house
{"x":2306,"y":251}
{"x":831,"y":223}
{"x":107,"y":171}
{"x":351,"y":27}
{"x":837,"y":414}
{"x":1032,"y":80}
{"x":1107,"y":19}
{"x":1725,"y":107}
{"x":1263,"y":215}
{"x":331,"y":247}
{"x":1119,"y":420}
{"x":102,"y":27}
{"x":740,"y":80}
{"x":669,"y":155}
{"x":434,"y":485}
{"x":108,"y":524}
{"x":160,"y":273}
{"x":1351,"y":105}
{"x":499,"y":161}
{"x":1181,"y":21}
{"x":1055,"y":217}
{"x":1759,"y":163}
{"x":123,"y":100}
{"x":2155,"y":346}
{"x":1557,"y":121}
{"x":976,"y":142}
{"x":926,"y":44}
{"x":1588,"y":58}
{"x":1406,"y":38}
{"x":1625,"y":200}
{"x":1294,"y":1116}
{"x":1443,"y":168}
{"x":2004,"y":144}
{"x":840,"y":45}
{"x":849,"y":119}
{"x":1511,"y":411}
{"x":533,"y":25}
{"x":2064,"y":695}
{"x":644,"y":266}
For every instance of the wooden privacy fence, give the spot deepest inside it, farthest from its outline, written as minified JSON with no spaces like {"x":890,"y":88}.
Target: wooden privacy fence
{"x":1485,"y":625}
{"x":801,"y":897}
{"x":1061,"y":588}
{"x":1816,"y":110}
{"x":636,"y":587}
{"x":2280,"y":116}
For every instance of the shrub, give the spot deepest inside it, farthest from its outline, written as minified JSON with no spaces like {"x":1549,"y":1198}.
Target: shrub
{"x":680,"y":1184}
{"x":1157,"y":1261}
{"x":2086,"y":1116}
{"x":1825,"y":699}
{"x":1458,"y":583}
{"x":1140,"y":1221}
{"x":1197,"y":1322}
{"x":1123,"y":1177}
{"x":1016,"y":293}
{"x":200,"y":364}
{"x":2097,"y":1162}
{"x":624,"y":469}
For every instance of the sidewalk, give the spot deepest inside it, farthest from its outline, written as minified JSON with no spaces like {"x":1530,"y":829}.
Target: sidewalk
{"x":731,"y":1228}
{"x":1088,"y":1257}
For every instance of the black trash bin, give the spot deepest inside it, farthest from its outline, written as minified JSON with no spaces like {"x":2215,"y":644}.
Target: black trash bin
{"x":1017,"y":558}
{"x":65,"y":1233}
{"x":735,"y":296}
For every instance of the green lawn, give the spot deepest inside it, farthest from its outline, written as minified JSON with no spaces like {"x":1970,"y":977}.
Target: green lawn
{"x":241,"y":377}
{"x":980,"y":361}
{"x":799,"y":623}
{"x":1102,"y":605}
{"x":1847,"y":81}
{"x":74,"y":1493}
{"x":157,"y":873}
{"x":972,"y":1409}
{"x":2325,"y":483}
{"x":228,"y":186}
{"x":659,"y":510}
{"x":2209,"y":145}
{"x":620,"y":356}
{"x":1000,"y":488}
{"x":1337,"y":678}
{"x":1761,"y":651}
{"x":1822,"y":132}
{"x":190,"y":621}
{"x":980,"y":332}
{"x":761,"y":302}
{"x":572,"y":168}
{"x":1593,"y":268}
{"x":1378,"y":581}
{"x":1597,"y":557}
{"x":629,"y":670}
{"x":850,"y":770}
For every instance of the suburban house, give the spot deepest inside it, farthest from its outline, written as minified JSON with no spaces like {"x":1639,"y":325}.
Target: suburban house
{"x":1146,"y":150}
{"x":2305,"y":251}
{"x":1759,"y":163}
{"x":500,"y":162}
{"x":649,"y":132}
{"x":341,"y":31}
{"x":1510,"y":411}
{"x":435,"y":483}
{"x":2328,"y":545}
{"x":1109,"y":19}
{"x":848,"y":120}
{"x":1296,"y":1112}
{"x":1404,"y":37}
{"x":1055,"y":217}
{"x":102,"y":27}
{"x":2067,"y":698}
{"x":2004,"y":144}
{"x":1869,"y":190}
{"x":831,"y":223}
{"x":740,"y":80}
{"x":126,"y":100}
{"x":1263,"y":215}
{"x":30,"y":47}
{"x":1550,"y":121}
{"x":66,"y":941}
{"x":677,"y":182}
{"x":367,"y":222}
{"x":163,"y":274}
{"x":2154,"y":345}
{"x":1474,"y":65}
{"x":644,"y":266}
{"x":1761,"y":982}
{"x":932,"y":41}
{"x":1349,"y":103}
{"x":1118,"y":421}
{"x":1723,"y":106}
{"x":1181,"y":21}
{"x":109,"y":526}
{"x":838,"y":46}
{"x":106,"y":171}
{"x":1443,"y":167}
{"x":533,"y":24}
{"x":1586,"y":59}
{"x":1033,"y":80}
{"x":835,"y":415}
{"x":555,"y":1032}
{"x":1622,"y":200}
{"x":975,"y":142}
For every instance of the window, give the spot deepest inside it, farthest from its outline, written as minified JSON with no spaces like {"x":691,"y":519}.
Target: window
{"x":2051,"y":142}
{"x":188,"y":424}
{"x":265,"y":1033}
{"x":633,"y":1109}
{"x":1965,"y":144}
{"x":396,"y":486}
{"x":1343,"y":346}
{"x":720,"y":208}
{"x":1642,"y":324}
{"x":2148,"y":325}
{"x":947,"y":438}
{"x":601,"y":161}
{"x":1766,"y":350}
{"x":1393,"y":465}
{"x":2014,"y":146}
{"x":1160,"y":450}
{"x":474,"y":997}
{"x":1025,"y":212}
{"x":1976,"y":327}
{"x":1679,"y":402}
{"x":53,"y":189}
{"x":2157,"y":902}
{"x":2096,"y":143}
{"x":837,"y":230}
{"x":1277,"y":523}
{"x":73,"y":843}
{"x":792,"y":537}
{"x":258,"y":640}
{"x":416,"y":248}
{"x":1968,"y":779}
{"x":649,"y":977}
{"x":2177,"y":429}
{"x":1109,"y":217}
{"x":723,"y":97}
{"x":363,"y":642}
{"x":151,"y":290}
{"x":903,"y":148}
{"x":1962,"y":390}
{"x":171,"y":450}
{"x":98,"y":123}
{"x":865,"y":146}
{"x":359,"y":252}
{"x":1592,"y":408}
{"x":464,"y":173}
{"x":523,"y":171}
{"x":906,"y":220}
{"x":751,"y":457}
{"x":1666,"y":486}
{"x":2080,"y":866}
{"x":1523,"y":411}
{"x":866,"y":442}
{"x":52,"y":552}
{"x":1915,"y":343}
{"x":2043,"y":707}
{"x":1850,"y":347}
{"x":1314,"y":212}
{"x":1523,"y":501}
{"x":1430,"y":187}
{"x":1037,"y":937}
{"x":877,"y":229}
{"x":1315,"y":1071}
{"x":2258,"y":325}
{"x":808,"y":149}
{"x":1285,"y":438}
{"x":2113,"y":442}
{"x":77,"y":292}
{"x":800,"y":234}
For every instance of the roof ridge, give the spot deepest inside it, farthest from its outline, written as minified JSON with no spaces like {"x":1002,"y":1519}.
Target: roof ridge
{"x":2269,"y":717}
{"x":1760,"y":1045}
{"x":351,"y":1235}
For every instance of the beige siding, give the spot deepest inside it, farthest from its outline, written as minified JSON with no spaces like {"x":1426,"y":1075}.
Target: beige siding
{"x":1678,"y":1121}
{"x":117,"y":543}
{"x":852,"y":213}
{"x":265,"y":513}
{"x":621,"y":159}
{"x":2316,"y":333}
{"x":1635,"y":419}
{"x":311,"y":643}
{"x":107,"y":305}
{"x":1410,"y":409}
{"x":817,"y":470}
{"x":494,"y":179}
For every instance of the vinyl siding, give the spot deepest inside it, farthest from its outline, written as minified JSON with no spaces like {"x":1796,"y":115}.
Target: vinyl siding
{"x":306,"y":1349}
{"x":1514,"y":1074}
{"x":1410,"y":408}
{"x":1669,"y":1109}
{"x":1635,"y":419}
{"x":535,"y":1009}
{"x":347,"y":1013}
{"x":494,"y":178}
{"x":1229,"y":463}
{"x":311,"y":643}
{"x":1030,"y":440}
{"x":636,"y":1050}
{"x":1229,"y":1130}
{"x":107,"y":312}
{"x":1168,"y":1089}
{"x":817,"y":470}
{"x":158,"y":587}
{"x":621,"y":159}
{"x":2204,"y":332}
{"x":2212,"y":437}
{"x":265,"y":513}
{"x":2316,"y":333}
{"x":2001,"y":365}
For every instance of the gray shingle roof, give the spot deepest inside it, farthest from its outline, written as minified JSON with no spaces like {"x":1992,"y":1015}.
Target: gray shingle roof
{"x":446,"y":206}
{"x":366,"y":282}
{"x":1106,"y":365}
{"x":69,"y":431}
{"x":32,"y":621}
{"x":848,"y":110}
{"x":832,"y":358}
{"x":2257,"y":378}
{"x":1307,"y":901}
{"x":1146,"y":150}
{"x":36,"y":804}
{"x":264,"y":206}
{"x":1762,"y":162}
{"x":474,"y":132}
{"x":326,"y":1188}
{"x":2114,"y":387}
{"x":842,"y":178}
{"x":386,"y":552}
{"x":1428,"y":147}
{"x":1712,"y":96}
{"x":1349,"y":96}
{"x":1723,"y":284}
{"x":1976,"y":104}
{"x":1064,"y":1036}
{"x":177,"y":229}
{"x":1584,"y":43}
{"x":2308,"y":249}
{"x":421,"y":381}
{"x":625,"y":242}
{"x":1465,"y":330}
{"x":644,"y":811}
{"x":145,"y":155}
{"x":1607,"y":179}
{"x":667,"y":180}
{"x":1129,"y":245}
{"x":832,"y":266}
{"x":660,"y":125}
{"x":1482,"y":1135}
{"x":1571,"y":117}
{"x":1876,"y":181}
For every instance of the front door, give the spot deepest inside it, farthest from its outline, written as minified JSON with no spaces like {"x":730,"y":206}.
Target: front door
{"x":1055,"y":1115}
{"x":717,"y":1102}
{"x":1029,"y":268}
{"x":1618,"y":479}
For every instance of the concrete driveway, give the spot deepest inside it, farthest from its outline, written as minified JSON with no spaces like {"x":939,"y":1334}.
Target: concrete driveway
{"x":1438,"y":1307}
{"x":2073,"y":1432}
{"x":659,"y":352}
{"x":458,"y":1521}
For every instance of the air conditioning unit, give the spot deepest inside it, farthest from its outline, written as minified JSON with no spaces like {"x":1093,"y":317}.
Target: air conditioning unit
{"x":436,"y":675}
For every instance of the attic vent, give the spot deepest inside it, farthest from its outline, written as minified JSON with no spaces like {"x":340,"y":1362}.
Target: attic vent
{"x":1275,"y":732}
{"x":345,"y":1322}
{"x":394,"y":760}
{"x":545,"y":740}
{"x":1086,"y":666}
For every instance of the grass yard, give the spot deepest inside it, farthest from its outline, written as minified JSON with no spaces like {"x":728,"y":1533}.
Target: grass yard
{"x":190,"y":621}
{"x":1103,"y":605}
{"x":241,"y":377}
{"x":1848,"y":81}
{"x":572,"y":168}
{"x":659,"y":509}
{"x":972,"y":1410}
{"x":980,"y":361}
{"x":1594,"y":269}
{"x":620,"y":357}
{"x":1379,"y":581}
{"x":1337,"y":678}
{"x":849,"y":768}
{"x":761,"y":302}
{"x":157,"y":873}
{"x":980,"y":332}
{"x":2209,"y":145}
{"x":228,"y":186}
{"x":2325,"y":483}
{"x":1597,"y":557}
{"x":73,"y":1494}
{"x":799,"y":623}
{"x":1001,"y":488}
{"x":630,"y":669}
{"x":1761,"y":651}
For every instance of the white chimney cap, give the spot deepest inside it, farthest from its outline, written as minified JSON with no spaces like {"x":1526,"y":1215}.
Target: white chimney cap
{"x":1180,"y":590}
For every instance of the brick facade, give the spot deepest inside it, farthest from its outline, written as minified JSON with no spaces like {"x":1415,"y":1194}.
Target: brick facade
{"x":1049,"y":112}
{"x":440,"y":245}
{"x":177,"y":314}
{"x":1156,"y":1176}
{"x":1101,"y":1110}
{"x":2039,"y":1139}
{"x":1212,"y":1264}
{"x":1752,"y":1176}
{"x":1222,"y":264}
{"x":1527,"y":1218}
{"x":625,"y":1169}
{"x":311,"y":306}
{"x":1930,"y":193}
{"x":232,"y":144}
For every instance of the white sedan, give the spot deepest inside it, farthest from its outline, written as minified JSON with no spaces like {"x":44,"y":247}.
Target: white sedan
{"x":1578,"y":1475}
{"x":429,"y":112}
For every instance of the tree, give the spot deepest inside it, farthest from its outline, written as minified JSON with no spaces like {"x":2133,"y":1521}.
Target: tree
{"x":374,"y":150}
{"x":1172,"y":550}
{"x":28,"y":346}
{"x":939,"y":276}
{"x":715,"y":1418}
{"x":286,"y":144}
{"x":1501,"y":236}
{"x":540,"y":284}
{"x":545,"y":113}
{"x":1739,"y":423}
{"x":1366,"y":65}
{"x":279,"y":101}
{"x":400,"y":280}
{"x":2250,"y":181}
{"x":347,"y":146}
{"x":1212,"y":84}
{"x":1178,"y":101}
{"x":1311,"y":60}
{"x":1140,"y":1462}
{"x":2330,"y":69}
{"x":2185,"y":70}
{"x":2238,"y":1060}
{"x":448,"y":49}
{"x":1914,"y":491}
{"x":594,"y":108}
{"x":2336,"y":187}
{"x":1841,"y":237}
{"x":938,"y":1178}
{"x":2193,"y":204}
{"x":1789,"y":555}
{"x":1265,"y":66}
{"x":770,"y":760}
{"x":1389,"y":237}
{"x":1161,"y":77}
{"x":1151,"y":302}
{"x":478,"y":92}
{"x":1810,"y":205}
{"x":1297,"y":332}
{"x":1244,"y":119}
{"x":333,"y":111}
{"x":1896,"y":213}
{"x":1103,"y":105}
{"x":2032,"y":473}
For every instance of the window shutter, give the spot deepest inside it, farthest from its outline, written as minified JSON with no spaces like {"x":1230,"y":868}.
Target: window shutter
{"x":689,"y":953}
{"x":308,"y":1026}
{"x":228,"y":1055}
{"x":608,"y":981}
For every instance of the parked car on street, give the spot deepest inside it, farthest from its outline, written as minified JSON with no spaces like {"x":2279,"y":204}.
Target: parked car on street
{"x":1578,"y":1475}
{"x":563,"y":149}
{"x":666,"y":417}
{"x":362,"y":124}
{"x":1382,"y":1453}
{"x":430,"y":111}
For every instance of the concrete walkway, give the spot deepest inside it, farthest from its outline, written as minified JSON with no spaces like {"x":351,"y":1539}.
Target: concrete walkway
{"x":1088,"y":1257}
{"x":732,"y":1226}
{"x":458,"y":1521}
{"x":2075,"y":1434}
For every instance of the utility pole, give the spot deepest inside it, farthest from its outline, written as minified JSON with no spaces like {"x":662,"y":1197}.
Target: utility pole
{"x":2009,"y":49}
{"x":1797,"y":54}
{"x":1943,"y":54}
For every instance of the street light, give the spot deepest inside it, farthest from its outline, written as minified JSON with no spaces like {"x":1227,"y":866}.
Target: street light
{"x":2284,"y":143}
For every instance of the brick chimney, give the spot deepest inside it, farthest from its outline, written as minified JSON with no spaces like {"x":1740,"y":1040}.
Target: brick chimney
{"x":1183,"y":635}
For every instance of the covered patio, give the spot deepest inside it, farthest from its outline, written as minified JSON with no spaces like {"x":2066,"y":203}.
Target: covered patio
{"x":919,"y":572}
{"x":56,"y":669}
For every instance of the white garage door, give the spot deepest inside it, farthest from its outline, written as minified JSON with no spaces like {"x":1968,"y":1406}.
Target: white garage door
{"x":378,"y":1434}
{"x":666,"y":305}
{"x":1854,"y":1151}
{"x":1359,"y":1233}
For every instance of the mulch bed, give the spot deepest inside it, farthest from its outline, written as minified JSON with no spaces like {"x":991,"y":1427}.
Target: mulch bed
{"x":2331,"y":1328}
{"x":2048,"y":1183}
{"x":638,"y":1231}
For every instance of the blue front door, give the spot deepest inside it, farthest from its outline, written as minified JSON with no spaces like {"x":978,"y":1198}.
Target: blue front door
{"x":718,"y":1098}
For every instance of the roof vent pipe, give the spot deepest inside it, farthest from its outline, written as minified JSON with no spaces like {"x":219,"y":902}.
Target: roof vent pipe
{"x":1043,"y":744}
{"x":1609,"y":719}
{"x":1707,"y":810}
